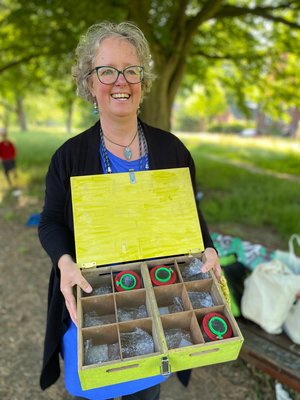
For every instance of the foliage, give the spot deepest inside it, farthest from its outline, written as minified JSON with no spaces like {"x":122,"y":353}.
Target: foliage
{"x":200,"y":104}
{"x":243,"y":38}
{"x":182,"y":122}
{"x":229,"y":127}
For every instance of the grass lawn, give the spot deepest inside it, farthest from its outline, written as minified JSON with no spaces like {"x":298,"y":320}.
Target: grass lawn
{"x":251,"y":186}
{"x":34,"y":151}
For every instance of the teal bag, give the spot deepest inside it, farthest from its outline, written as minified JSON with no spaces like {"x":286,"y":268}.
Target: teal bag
{"x":247,"y":253}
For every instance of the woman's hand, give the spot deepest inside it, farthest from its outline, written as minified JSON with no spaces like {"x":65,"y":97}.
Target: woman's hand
{"x":211,"y":261}
{"x":70,"y":275}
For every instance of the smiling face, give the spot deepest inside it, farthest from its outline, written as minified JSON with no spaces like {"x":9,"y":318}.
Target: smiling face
{"x":120,"y":99}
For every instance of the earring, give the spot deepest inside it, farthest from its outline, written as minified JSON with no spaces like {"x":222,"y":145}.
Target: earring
{"x":138,"y":111}
{"x":95,"y":108}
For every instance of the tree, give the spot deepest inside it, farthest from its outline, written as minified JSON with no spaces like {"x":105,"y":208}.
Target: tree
{"x":271,"y":87}
{"x":181,"y":28}
{"x":37,"y":41}
{"x":176,"y":30}
{"x":198,"y":103}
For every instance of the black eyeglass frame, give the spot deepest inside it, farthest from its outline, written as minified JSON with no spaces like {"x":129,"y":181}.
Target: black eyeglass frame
{"x":96,"y":69}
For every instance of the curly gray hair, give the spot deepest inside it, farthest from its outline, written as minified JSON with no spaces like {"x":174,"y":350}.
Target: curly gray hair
{"x":90,"y":43}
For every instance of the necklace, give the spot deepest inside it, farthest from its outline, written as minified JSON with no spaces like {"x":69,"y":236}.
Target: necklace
{"x":143,"y":149}
{"x":127,"y":150}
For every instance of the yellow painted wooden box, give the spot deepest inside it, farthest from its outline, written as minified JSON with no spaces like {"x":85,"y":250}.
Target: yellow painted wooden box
{"x":136,"y":221}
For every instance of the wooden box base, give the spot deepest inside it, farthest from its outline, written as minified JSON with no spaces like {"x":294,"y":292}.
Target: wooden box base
{"x":105,"y":303}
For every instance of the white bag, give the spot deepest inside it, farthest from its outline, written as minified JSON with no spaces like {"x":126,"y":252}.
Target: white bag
{"x":269,"y":294}
{"x":289,"y":258}
{"x":291,"y":325}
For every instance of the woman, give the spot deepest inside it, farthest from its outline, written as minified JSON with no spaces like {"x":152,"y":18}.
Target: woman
{"x":113,"y":71}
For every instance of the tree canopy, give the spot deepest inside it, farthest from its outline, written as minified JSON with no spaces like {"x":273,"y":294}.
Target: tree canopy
{"x":251,"y":41}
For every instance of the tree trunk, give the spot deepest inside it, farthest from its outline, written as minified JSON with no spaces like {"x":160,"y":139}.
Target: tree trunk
{"x":169,"y":52}
{"x":294,"y":128}
{"x":157,"y":105}
{"x":260,"y":122}
{"x":69,"y":116}
{"x":155,"y":109}
{"x":21,"y":113}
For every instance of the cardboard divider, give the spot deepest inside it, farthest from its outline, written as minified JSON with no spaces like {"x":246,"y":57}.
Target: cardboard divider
{"x":201,"y":312}
{"x":171,"y":260}
{"x":185,"y":321}
{"x":181,"y":265}
{"x":104,"y":335}
{"x":206,"y":285}
{"x":102,"y":310}
{"x":219,"y":296}
{"x":235,"y":328}
{"x":144,"y":324}
{"x":151,"y":301}
{"x":217,"y":293}
{"x":79,"y":307}
{"x":178,"y":272}
{"x":100,"y":280}
{"x":165,"y":295}
{"x":132,"y":299}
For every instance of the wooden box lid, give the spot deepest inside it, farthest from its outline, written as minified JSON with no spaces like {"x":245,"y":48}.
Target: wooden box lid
{"x":134,"y":216}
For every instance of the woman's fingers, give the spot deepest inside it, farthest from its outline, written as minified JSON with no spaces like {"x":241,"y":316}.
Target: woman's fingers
{"x":71,"y":307}
{"x":211,"y":262}
{"x":207,"y":266}
{"x":218,"y":271}
{"x":85,"y":286}
{"x":70,"y":275}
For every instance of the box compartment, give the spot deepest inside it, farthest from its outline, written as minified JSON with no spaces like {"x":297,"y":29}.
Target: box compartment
{"x":182,"y":265}
{"x":98,"y":311}
{"x":223,"y":310}
{"x":97,"y":336}
{"x":185,"y":322}
{"x":131,"y":342}
{"x":203,"y":294}
{"x":132,"y":305}
{"x":100,"y":282}
{"x":172,"y":299}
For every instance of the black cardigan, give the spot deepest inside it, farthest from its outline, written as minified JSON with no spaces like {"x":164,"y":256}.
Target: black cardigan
{"x":80,"y":156}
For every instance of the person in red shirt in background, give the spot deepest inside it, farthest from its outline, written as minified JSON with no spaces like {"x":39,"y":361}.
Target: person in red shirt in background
{"x":7,"y":156}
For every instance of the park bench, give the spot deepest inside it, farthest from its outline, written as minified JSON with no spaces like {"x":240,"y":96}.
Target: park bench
{"x":275,"y":355}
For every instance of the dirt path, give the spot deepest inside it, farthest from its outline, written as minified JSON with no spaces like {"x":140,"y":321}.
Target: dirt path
{"x":24,"y":279}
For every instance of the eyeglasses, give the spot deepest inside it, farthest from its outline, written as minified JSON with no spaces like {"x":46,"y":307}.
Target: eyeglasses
{"x":109,"y":75}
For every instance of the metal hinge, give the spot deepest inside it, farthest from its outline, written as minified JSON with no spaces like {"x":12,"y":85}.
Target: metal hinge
{"x":165,"y":367}
{"x":88,"y":265}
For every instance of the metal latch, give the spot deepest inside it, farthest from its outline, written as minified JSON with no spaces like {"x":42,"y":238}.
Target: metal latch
{"x":165,"y":367}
